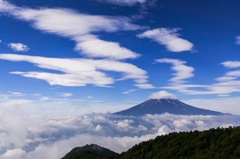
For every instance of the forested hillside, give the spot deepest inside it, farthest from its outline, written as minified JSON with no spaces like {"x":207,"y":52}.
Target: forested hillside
{"x":217,"y":143}
{"x":90,"y":152}
{"x":220,"y":143}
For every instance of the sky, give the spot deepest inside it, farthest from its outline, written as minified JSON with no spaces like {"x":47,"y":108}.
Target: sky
{"x":109,"y":55}
{"x":65,"y":65}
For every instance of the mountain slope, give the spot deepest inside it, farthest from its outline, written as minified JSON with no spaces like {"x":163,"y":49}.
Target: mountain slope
{"x":220,"y":143}
{"x":90,"y":152}
{"x":160,"y":106}
{"x":217,"y":143}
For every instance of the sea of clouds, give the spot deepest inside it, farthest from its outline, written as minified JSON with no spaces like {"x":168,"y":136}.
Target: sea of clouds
{"x":28,"y":137}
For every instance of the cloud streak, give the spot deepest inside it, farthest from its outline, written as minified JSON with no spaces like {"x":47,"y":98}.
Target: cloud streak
{"x":226,"y":84}
{"x":169,"y":38}
{"x":182,"y":71}
{"x":124,"y":2}
{"x":78,"y":27}
{"x":78,"y":72}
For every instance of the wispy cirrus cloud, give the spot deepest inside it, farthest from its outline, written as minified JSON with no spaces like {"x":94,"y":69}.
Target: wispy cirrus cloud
{"x":18,"y":47}
{"x":182,"y":71}
{"x":89,"y":97}
{"x":65,"y":94}
{"x":226,"y":84}
{"x":81,"y":28}
{"x":144,"y":86}
{"x":5,"y":6}
{"x":168,"y":37}
{"x":78,"y":72}
{"x":237,"y":40}
{"x":78,"y":27}
{"x":124,"y":2}
{"x":44,"y":99}
{"x":131,"y":90}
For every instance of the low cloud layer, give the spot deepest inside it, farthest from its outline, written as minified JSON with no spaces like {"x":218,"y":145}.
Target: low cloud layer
{"x":169,"y":38}
{"x":48,"y":137}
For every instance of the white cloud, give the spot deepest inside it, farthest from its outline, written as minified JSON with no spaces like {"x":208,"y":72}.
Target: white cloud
{"x":124,"y":2}
{"x":89,"y":97}
{"x":55,"y":136}
{"x":169,"y":38}
{"x":12,"y":154}
{"x":114,"y":132}
{"x":162,"y":95}
{"x":130,"y":71}
{"x":65,"y":94}
{"x":93,"y":47}
{"x":182,"y":71}
{"x":18,"y":47}
{"x":44,"y":99}
{"x":233,"y":73}
{"x":16,"y":93}
{"x":231,"y":64}
{"x":144,"y":86}
{"x":0,"y":41}
{"x":131,"y":90}
{"x":238,"y":40}
{"x":80,"y":28}
{"x":223,"y":104}
{"x":78,"y":72}
{"x":15,"y":102}
{"x":226,"y":84}
{"x":5,"y":6}
{"x":98,"y":128}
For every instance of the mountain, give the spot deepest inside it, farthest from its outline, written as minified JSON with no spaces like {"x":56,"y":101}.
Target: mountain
{"x":90,"y":152}
{"x":160,"y":106}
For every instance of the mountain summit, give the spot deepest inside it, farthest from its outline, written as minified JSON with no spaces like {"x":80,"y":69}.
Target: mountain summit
{"x":160,"y":106}
{"x":92,"y":151}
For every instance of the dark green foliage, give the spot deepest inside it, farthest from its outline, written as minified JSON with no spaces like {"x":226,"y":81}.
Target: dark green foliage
{"x":214,"y":143}
{"x":220,"y":143}
{"x":90,"y":152}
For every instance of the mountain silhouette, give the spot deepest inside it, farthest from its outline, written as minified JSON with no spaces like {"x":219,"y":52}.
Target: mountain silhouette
{"x":160,"y":106}
{"x":92,"y":151}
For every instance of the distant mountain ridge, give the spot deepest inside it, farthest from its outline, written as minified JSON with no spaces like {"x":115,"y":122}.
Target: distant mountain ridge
{"x":171,"y":106}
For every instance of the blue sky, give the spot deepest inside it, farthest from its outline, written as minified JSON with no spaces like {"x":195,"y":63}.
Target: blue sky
{"x":61,"y":58}
{"x":66,"y":64}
